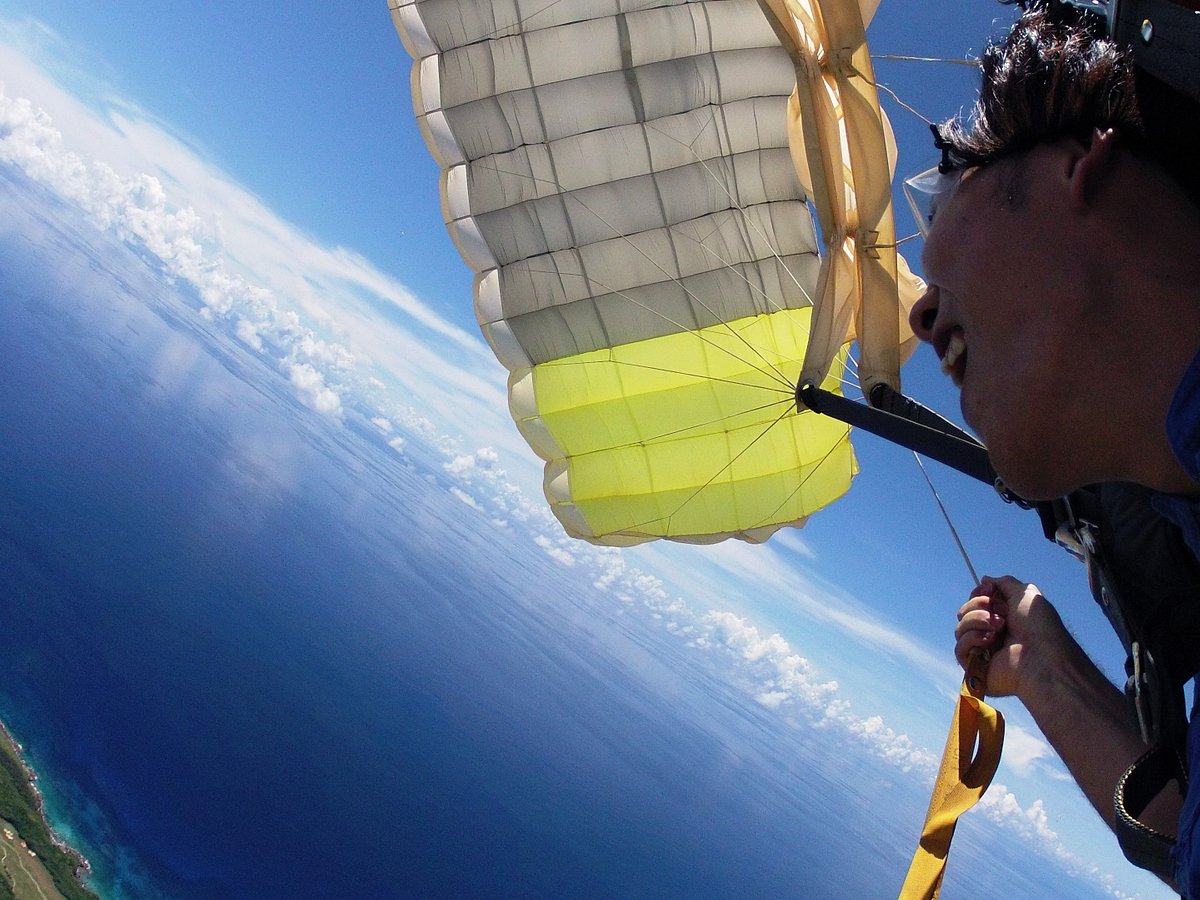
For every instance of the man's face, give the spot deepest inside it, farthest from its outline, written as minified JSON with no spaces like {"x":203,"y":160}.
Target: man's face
{"x":1001,"y":313}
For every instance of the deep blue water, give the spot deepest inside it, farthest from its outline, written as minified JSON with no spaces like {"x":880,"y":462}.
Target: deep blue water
{"x":256,"y":653}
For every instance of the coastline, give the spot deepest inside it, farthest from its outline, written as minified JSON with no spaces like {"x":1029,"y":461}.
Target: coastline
{"x":22,"y":806}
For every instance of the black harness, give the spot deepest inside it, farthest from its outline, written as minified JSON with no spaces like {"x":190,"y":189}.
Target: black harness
{"x":1147,"y":581}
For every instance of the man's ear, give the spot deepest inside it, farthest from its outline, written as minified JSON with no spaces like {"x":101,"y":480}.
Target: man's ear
{"x":1090,"y":165}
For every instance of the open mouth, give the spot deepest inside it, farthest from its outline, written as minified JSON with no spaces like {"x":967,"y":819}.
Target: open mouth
{"x":954,"y":358}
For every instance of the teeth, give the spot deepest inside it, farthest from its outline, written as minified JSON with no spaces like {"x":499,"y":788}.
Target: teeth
{"x":954,"y":350}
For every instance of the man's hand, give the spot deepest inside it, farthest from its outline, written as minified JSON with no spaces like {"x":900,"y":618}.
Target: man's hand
{"x":1018,"y":626}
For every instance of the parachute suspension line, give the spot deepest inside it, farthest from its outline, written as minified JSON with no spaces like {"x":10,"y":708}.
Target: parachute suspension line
{"x":759,"y":352}
{"x":974,"y":63}
{"x":774,"y":253}
{"x":887,"y":90}
{"x":780,"y":377}
{"x":789,"y":391}
{"x":847,"y":382}
{"x":667,"y":435}
{"x":627,"y":8}
{"x":848,"y":377}
{"x":850,"y":367}
{"x":729,"y":194}
{"x":799,"y":487}
{"x":691,"y":294}
{"x":787,"y":410}
{"x":516,"y":26}
{"x":731,"y":267}
{"x":771,"y":372}
{"x":946,"y":515}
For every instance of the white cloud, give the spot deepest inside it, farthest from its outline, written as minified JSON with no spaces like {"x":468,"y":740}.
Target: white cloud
{"x":460,"y":465}
{"x":760,"y":567}
{"x":1032,"y":822}
{"x":1023,"y":748}
{"x":314,"y":393}
{"x":464,"y":497}
{"x":247,"y":333}
{"x":556,"y":550}
{"x":790,"y":539}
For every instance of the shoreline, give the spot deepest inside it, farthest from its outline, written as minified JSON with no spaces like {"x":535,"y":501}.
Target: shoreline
{"x":17,"y":807}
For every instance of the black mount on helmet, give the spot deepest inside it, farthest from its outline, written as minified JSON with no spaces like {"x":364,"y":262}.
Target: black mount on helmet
{"x":1164,"y":36}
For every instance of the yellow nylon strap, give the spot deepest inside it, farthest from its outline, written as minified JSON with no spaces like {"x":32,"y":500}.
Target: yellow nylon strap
{"x":961,"y":781}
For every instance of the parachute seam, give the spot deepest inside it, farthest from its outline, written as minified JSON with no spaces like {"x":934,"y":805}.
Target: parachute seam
{"x":699,"y":376}
{"x":545,"y":131}
{"x":773,"y":372}
{"x":669,"y":516}
{"x":803,"y":481}
{"x":666,"y":435}
{"x":704,"y":163}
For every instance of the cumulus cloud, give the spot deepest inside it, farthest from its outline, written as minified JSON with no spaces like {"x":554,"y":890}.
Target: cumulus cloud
{"x":464,"y":497}
{"x":1023,"y":749}
{"x":460,"y":465}
{"x":764,"y":568}
{"x":247,"y":333}
{"x":556,"y":550}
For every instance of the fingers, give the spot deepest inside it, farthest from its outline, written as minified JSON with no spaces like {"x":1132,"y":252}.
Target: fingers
{"x":976,"y":639}
{"x":988,"y":603}
{"x":978,"y":628}
{"x":1004,"y":587}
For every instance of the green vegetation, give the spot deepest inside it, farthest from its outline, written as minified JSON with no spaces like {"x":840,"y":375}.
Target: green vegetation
{"x":20,"y":805}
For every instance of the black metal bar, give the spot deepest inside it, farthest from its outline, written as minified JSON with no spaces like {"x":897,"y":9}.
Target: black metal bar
{"x":945,"y":443}
{"x":883,"y":397}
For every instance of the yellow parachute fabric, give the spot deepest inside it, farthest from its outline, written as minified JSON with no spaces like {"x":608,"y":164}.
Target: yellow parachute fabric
{"x":620,"y":177}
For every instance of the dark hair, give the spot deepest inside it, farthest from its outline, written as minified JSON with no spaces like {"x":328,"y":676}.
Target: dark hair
{"x":1057,"y":74}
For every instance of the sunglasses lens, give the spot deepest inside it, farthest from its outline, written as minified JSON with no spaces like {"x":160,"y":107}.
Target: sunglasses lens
{"x":928,"y":192}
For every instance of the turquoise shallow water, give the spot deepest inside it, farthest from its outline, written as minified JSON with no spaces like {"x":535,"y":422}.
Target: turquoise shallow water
{"x":259,"y":654}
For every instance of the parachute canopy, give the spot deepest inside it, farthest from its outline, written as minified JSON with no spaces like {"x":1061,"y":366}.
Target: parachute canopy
{"x":620,"y":177}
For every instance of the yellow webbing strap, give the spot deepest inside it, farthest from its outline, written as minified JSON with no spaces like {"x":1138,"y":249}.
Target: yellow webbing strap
{"x":961,"y":781}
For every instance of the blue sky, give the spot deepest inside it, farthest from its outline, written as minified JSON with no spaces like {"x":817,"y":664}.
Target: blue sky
{"x":268,"y":156}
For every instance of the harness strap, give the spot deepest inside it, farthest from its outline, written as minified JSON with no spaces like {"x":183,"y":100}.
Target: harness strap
{"x":975,"y":729}
{"x":1142,"y":782}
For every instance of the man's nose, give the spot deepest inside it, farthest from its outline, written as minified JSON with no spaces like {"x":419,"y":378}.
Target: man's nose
{"x":923,"y":314}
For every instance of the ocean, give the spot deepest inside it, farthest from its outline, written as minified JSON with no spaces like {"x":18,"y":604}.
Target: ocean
{"x":255,"y":652}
